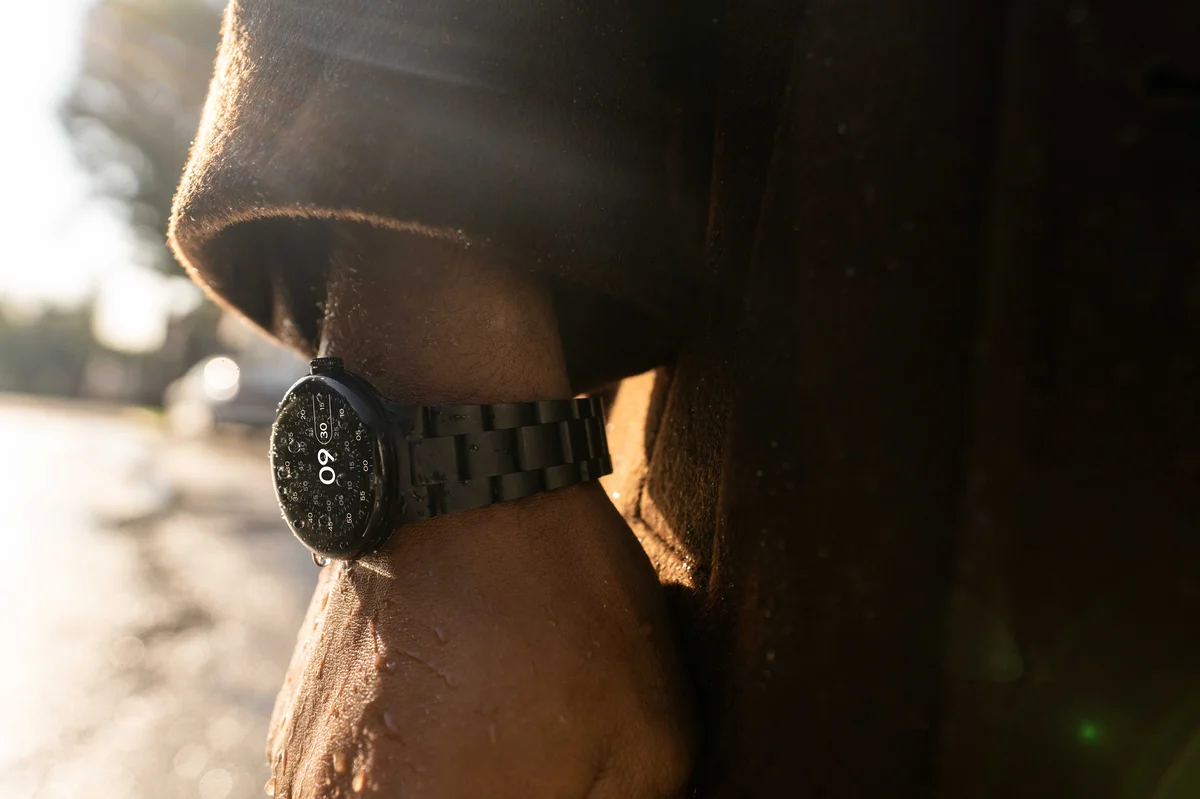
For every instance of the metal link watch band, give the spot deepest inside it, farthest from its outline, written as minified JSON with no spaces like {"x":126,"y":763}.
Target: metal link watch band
{"x":468,"y":456}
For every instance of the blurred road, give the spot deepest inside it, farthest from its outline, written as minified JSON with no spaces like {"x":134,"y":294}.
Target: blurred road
{"x":150,"y":600}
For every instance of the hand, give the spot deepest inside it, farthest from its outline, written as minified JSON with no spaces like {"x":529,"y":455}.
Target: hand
{"x":517,"y":651}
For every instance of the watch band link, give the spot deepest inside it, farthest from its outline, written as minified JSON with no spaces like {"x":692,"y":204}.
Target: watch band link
{"x":470,"y":456}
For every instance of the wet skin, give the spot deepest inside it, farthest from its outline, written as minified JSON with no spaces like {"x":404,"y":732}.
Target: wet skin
{"x":521,"y":650}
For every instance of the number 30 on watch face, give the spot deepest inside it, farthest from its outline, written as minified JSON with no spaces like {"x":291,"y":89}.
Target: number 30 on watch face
{"x":323,"y":460}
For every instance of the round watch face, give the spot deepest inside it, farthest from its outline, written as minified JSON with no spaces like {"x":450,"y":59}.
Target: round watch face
{"x":326,"y":460}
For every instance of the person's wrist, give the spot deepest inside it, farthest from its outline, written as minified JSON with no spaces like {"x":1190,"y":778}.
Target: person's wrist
{"x":427,"y":322}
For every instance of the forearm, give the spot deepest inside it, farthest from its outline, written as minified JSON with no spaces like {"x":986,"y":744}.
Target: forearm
{"x":478,"y":651}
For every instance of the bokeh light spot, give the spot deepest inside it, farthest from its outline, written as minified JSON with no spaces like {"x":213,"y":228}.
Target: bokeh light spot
{"x":221,"y":376}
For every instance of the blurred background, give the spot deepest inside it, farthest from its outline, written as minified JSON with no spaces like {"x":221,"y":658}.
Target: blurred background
{"x":152,"y":593}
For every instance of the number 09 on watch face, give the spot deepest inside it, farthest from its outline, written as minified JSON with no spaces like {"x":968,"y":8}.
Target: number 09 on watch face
{"x":325,"y":461}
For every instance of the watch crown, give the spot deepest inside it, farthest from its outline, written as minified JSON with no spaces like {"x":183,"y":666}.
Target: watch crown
{"x":322,"y":365}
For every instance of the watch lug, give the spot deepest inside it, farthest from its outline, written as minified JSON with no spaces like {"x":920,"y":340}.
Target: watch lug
{"x":320,"y":366}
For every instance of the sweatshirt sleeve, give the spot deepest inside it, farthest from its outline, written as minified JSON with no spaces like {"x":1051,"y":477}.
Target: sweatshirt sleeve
{"x":545,"y":131}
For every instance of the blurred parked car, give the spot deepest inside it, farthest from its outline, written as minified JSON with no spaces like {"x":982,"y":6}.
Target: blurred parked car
{"x":242,"y":389}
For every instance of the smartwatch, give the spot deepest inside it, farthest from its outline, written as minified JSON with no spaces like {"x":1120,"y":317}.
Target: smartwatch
{"x":350,"y":466}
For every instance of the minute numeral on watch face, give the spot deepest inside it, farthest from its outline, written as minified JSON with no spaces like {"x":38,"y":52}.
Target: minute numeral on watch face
{"x":327,"y":475}
{"x":322,"y":418}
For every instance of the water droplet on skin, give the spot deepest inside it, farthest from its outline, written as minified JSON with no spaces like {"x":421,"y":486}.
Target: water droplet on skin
{"x":127,"y":652}
{"x":386,"y":661}
{"x":269,"y":788}
{"x":389,"y":722}
{"x":441,"y":636}
{"x":339,"y":762}
{"x":360,"y":780}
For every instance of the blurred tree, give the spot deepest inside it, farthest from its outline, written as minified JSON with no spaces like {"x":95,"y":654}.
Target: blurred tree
{"x":52,"y":351}
{"x":135,"y":105}
{"x":46,"y":354}
{"x":131,"y":114}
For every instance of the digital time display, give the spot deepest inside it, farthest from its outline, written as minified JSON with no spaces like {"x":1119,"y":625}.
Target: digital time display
{"x":324,"y":464}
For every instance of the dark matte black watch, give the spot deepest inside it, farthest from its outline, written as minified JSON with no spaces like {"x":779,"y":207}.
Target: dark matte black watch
{"x":350,"y":465}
